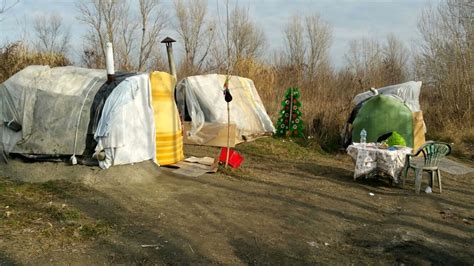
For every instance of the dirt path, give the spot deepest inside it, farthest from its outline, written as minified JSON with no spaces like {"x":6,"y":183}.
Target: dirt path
{"x":287,"y":205}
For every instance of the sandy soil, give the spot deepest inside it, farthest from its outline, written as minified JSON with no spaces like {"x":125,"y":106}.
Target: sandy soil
{"x":296,"y":207}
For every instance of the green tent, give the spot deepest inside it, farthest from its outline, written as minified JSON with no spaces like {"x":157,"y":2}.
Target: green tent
{"x":381,"y":115}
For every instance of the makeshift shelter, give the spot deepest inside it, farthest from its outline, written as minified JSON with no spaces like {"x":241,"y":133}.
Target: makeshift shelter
{"x":56,"y":109}
{"x":52,"y":105}
{"x":201,"y":102}
{"x":388,"y":109}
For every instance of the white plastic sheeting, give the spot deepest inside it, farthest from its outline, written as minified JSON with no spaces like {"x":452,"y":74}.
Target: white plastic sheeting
{"x":126,"y":130}
{"x":408,"y":92}
{"x":204,"y":100}
{"x":53,"y":107}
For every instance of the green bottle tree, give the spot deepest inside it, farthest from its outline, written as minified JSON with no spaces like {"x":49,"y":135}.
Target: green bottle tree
{"x":290,"y":123}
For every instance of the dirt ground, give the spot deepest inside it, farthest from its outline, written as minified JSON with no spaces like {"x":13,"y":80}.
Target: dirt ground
{"x":287,"y":204}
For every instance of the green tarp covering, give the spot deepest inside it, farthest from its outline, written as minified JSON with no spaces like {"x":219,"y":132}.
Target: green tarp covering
{"x":383,"y":114}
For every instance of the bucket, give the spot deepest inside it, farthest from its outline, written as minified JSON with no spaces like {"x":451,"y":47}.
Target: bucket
{"x":235,"y":159}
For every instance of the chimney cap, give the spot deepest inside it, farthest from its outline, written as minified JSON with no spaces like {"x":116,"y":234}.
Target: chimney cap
{"x":167,"y":40}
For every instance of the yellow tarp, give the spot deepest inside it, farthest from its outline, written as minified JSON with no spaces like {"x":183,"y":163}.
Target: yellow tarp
{"x":169,"y":137}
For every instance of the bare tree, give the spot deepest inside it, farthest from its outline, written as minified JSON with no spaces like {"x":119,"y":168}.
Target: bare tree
{"x":307,"y":41}
{"x":196,"y":32}
{"x":91,"y":14}
{"x":247,"y":39}
{"x":447,"y":35}
{"x":6,"y":5}
{"x":153,"y":21}
{"x":445,"y":57}
{"x":395,"y":60}
{"x":240,"y":40}
{"x":125,"y":41}
{"x":295,"y":43}
{"x":104,"y":20}
{"x":133,"y":35}
{"x":364,"y":60}
{"x":319,"y":37}
{"x":52,"y":36}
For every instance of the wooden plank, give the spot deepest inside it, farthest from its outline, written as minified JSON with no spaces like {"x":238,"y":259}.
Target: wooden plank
{"x":213,"y":134}
{"x":194,"y":167}
{"x":418,"y":130}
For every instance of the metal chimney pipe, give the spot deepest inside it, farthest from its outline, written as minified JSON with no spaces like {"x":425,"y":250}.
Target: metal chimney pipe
{"x":109,"y":62}
{"x":169,"y":50}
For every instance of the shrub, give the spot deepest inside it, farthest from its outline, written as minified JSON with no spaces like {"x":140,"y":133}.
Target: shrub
{"x":16,"y":56}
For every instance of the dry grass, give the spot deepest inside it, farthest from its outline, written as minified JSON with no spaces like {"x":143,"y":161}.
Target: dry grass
{"x":327,"y":104}
{"x":32,"y":206}
{"x":16,"y":56}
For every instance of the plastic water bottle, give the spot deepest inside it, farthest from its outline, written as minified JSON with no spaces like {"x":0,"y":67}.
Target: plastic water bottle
{"x":363,"y":136}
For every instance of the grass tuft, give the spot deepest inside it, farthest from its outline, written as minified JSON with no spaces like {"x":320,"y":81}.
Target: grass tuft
{"x":94,"y":230}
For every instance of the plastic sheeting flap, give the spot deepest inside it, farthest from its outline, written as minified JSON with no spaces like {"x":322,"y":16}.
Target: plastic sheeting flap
{"x":408,"y":92}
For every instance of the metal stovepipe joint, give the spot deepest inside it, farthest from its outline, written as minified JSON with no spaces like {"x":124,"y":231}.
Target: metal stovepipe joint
{"x":169,"y":50}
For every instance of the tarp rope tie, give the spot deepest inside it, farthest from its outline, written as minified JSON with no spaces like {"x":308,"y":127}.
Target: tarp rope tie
{"x":73,"y":157}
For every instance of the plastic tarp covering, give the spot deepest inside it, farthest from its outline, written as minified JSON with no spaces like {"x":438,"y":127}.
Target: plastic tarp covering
{"x":383,"y":114}
{"x":53,"y":107}
{"x":169,"y":132}
{"x":96,"y":109}
{"x":203,"y":97}
{"x":126,"y":129}
{"x":408,"y":92}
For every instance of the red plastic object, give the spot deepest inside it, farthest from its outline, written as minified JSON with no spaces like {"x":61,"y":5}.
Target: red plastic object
{"x":235,"y":159}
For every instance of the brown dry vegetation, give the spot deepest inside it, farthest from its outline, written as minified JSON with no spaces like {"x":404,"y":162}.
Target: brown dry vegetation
{"x":16,"y":56}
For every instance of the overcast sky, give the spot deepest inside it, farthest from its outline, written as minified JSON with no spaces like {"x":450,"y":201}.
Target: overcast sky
{"x":350,"y":19}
